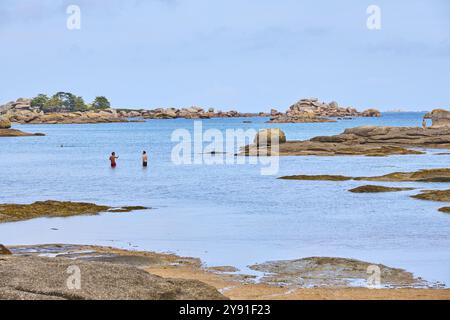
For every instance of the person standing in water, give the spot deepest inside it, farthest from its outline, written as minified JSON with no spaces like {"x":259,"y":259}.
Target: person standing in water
{"x":113,"y":159}
{"x":144,"y":159}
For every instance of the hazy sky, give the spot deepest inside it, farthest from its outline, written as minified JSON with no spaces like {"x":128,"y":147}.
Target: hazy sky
{"x":249,"y":55}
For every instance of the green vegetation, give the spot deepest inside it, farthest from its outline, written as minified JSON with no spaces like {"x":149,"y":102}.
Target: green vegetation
{"x":68,"y":102}
{"x":101,"y":103}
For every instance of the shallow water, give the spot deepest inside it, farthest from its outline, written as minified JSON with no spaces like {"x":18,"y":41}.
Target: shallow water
{"x":224,"y":214}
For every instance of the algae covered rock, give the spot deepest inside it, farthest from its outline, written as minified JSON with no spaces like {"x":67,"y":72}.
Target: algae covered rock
{"x":377,"y":189}
{"x":445,"y":209}
{"x":19,"y":212}
{"x":317,"y":178}
{"x":426,"y":175}
{"x":434,"y":195}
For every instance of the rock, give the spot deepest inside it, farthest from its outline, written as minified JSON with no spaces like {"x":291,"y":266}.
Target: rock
{"x":377,"y":189}
{"x":17,"y":133}
{"x":317,"y":178}
{"x":311,"y":110}
{"x":36,"y":278}
{"x":20,"y":212}
{"x":445,"y":209}
{"x":434,"y":195}
{"x":427,"y":175}
{"x":269,"y":136}
{"x":440,"y":118}
{"x":430,"y":175}
{"x":334,"y":105}
{"x":275,"y":113}
{"x":332,"y":272}
{"x":371,"y":113}
{"x":4,"y":250}
{"x":5,"y":123}
{"x":299,"y":118}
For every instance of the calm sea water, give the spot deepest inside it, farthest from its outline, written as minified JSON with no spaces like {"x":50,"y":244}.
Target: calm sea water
{"x":226,"y":215}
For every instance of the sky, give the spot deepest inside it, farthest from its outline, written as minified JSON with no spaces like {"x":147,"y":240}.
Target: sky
{"x":248,"y":55}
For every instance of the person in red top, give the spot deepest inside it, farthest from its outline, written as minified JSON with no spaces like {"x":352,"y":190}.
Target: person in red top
{"x":113,"y":159}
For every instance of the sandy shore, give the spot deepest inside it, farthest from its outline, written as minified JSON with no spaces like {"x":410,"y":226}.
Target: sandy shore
{"x":232,"y":285}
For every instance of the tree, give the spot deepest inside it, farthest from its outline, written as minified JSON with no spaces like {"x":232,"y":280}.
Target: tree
{"x":54,"y":104}
{"x":40,"y":101}
{"x":101,"y":103}
{"x":79,"y":104}
{"x":67,"y":101}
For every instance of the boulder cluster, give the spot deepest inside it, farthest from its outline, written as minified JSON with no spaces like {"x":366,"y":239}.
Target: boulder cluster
{"x":440,"y":118}
{"x":185,"y":113}
{"x":312,"y":110}
{"x":5,"y":123}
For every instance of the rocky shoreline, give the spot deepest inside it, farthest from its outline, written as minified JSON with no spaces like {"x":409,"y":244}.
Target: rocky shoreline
{"x":41,"y":273}
{"x":6,"y":131}
{"x":22,"y":112}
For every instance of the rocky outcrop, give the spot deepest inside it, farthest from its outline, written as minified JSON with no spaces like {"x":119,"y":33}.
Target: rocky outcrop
{"x":325,"y":177}
{"x":4,"y":250}
{"x":15,"y":133}
{"x":36,"y":278}
{"x":5,"y":123}
{"x":427,"y":175}
{"x":434,"y":195}
{"x":188,"y":113}
{"x":270,"y":136}
{"x":39,"y":117}
{"x":440,"y":118}
{"x":377,"y":189}
{"x":332,"y":272}
{"x":371,"y":113}
{"x":365,"y":140}
{"x":312,"y":110}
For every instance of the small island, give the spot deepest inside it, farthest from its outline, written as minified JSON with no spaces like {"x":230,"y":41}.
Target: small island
{"x":312,"y":110}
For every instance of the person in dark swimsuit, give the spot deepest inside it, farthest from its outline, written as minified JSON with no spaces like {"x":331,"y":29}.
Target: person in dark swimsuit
{"x":144,"y":159}
{"x":113,"y":159}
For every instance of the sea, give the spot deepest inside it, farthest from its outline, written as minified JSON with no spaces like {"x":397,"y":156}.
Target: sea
{"x":227,"y":213}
